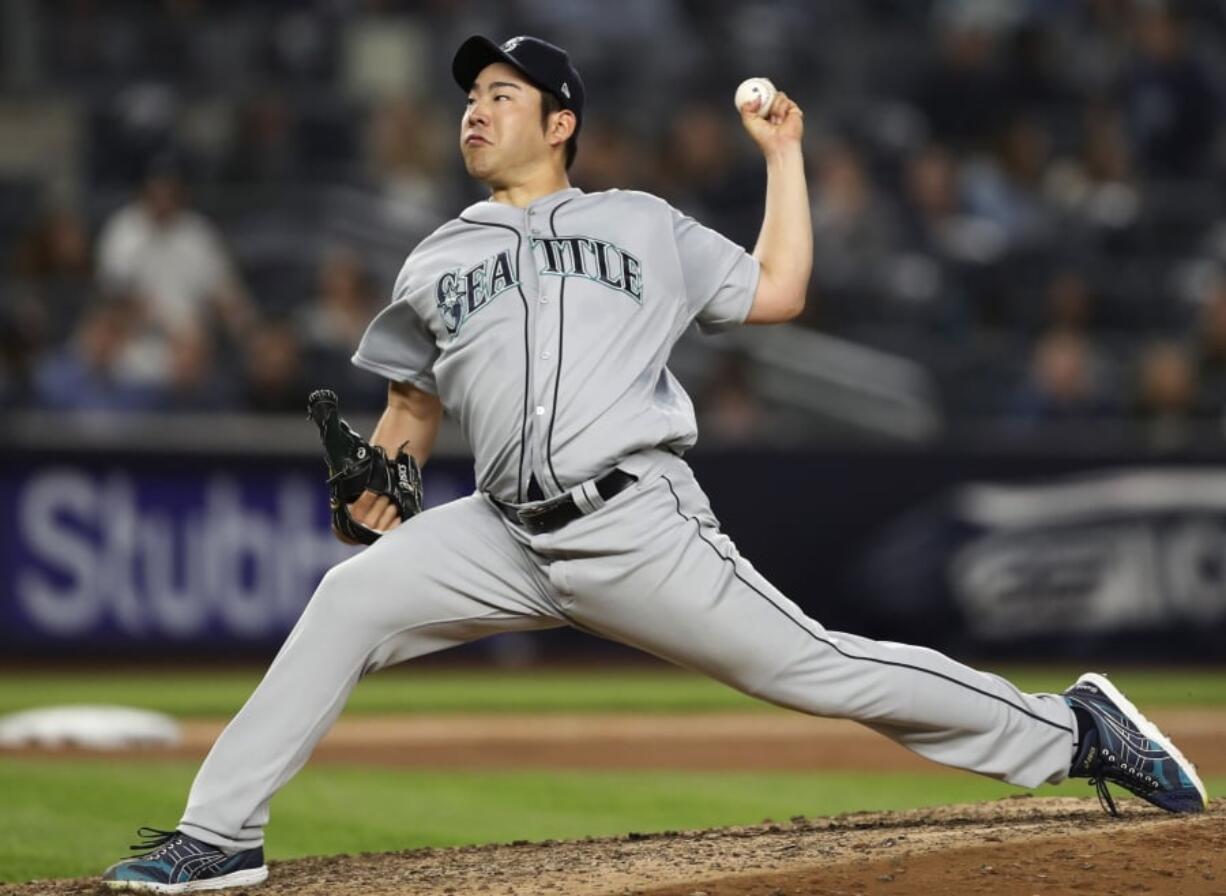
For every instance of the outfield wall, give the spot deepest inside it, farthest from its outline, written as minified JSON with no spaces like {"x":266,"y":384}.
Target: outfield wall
{"x":981,"y":554}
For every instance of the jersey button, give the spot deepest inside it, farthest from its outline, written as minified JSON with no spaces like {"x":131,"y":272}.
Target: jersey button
{"x":544,"y":356}
{"x":539,"y":410}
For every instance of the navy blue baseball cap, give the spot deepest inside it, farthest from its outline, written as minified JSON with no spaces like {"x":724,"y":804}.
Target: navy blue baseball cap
{"x":547,"y":67}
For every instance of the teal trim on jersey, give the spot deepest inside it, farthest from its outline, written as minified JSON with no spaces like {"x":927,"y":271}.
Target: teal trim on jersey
{"x":461,"y":295}
{"x":563,"y":256}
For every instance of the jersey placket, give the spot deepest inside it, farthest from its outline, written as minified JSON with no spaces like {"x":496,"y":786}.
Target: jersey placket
{"x":542,"y":292}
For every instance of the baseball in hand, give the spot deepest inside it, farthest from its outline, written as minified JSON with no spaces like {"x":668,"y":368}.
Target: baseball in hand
{"x":753,"y":88}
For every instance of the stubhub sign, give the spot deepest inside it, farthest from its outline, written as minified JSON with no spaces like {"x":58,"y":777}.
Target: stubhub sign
{"x":212,"y":555}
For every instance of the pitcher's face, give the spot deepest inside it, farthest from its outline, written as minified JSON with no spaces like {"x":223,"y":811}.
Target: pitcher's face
{"x":501,"y":131}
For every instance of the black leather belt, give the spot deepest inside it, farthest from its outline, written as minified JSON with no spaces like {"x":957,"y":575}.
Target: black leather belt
{"x":552,"y":515}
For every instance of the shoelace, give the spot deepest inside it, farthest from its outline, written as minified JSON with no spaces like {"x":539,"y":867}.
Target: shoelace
{"x":1099,"y":783}
{"x":155,"y":839}
{"x":1094,"y":761}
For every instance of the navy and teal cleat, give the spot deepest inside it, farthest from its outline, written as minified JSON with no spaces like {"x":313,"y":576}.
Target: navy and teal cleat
{"x":1125,"y":748}
{"x":173,"y":862}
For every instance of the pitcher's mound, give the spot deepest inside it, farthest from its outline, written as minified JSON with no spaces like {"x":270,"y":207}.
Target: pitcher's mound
{"x":1016,"y":846}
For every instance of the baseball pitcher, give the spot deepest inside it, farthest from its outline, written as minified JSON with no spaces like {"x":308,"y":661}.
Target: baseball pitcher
{"x":542,"y":319}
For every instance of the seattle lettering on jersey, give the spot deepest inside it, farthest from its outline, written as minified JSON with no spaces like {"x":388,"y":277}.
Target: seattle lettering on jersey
{"x":597,"y":260}
{"x":461,"y":295}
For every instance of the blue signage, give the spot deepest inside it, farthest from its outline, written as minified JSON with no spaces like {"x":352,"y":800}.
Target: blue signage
{"x":113,"y":555}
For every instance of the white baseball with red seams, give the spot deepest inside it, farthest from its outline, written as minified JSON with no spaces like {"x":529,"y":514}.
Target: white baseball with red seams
{"x":755,"y":88}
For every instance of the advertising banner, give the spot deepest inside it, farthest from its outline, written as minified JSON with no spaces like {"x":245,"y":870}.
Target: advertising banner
{"x":1136,"y":549}
{"x":1130,"y":557}
{"x":104,"y":555}
{"x":984,"y":556}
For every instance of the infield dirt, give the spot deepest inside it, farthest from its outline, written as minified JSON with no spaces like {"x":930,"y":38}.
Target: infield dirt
{"x":707,"y":741}
{"x":1013,"y":847}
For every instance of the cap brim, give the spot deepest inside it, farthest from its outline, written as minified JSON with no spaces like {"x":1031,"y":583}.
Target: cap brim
{"x":475,"y":54}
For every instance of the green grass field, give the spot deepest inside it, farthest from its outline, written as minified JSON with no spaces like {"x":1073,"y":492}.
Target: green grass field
{"x":60,"y":818}
{"x":64,"y":820}
{"x":222,"y":692}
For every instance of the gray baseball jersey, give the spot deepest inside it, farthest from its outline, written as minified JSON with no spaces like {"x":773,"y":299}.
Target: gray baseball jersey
{"x":545,"y":330}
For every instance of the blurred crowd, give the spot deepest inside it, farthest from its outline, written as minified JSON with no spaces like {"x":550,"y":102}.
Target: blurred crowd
{"x":203,"y":203}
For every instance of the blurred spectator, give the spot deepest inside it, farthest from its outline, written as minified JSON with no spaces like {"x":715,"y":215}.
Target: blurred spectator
{"x":54,"y":276}
{"x":58,"y":246}
{"x":273,"y":368}
{"x":407,"y":146}
{"x":1066,"y":383}
{"x":853,"y":225}
{"x":729,"y":413}
{"x":333,"y":324}
{"x":193,"y":382}
{"x":1069,"y":303}
{"x":50,"y":284}
{"x":264,"y":150}
{"x":1095,"y":43}
{"x":1031,"y":80}
{"x":1171,"y":106}
{"x":961,"y":92}
{"x":609,"y":159}
{"x":20,"y":343}
{"x":171,"y":258}
{"x":1099,"y":184}
{"x":1166,"y":395}
{"x":707,"y":179}
{"x":999,"y":157}
{"x":1210,"y":350}
{"x":931,"y":188}
{"x":343,"y":305}
{"x":939,"y":221}
{"x":1004,"y":187}
{"x":87,"y":374}
{"x":939,"y":238}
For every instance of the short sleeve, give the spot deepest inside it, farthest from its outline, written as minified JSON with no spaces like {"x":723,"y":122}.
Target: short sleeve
{"x":720,"y":276}
{"x":398,"y":345}
{"x":116,"y":251}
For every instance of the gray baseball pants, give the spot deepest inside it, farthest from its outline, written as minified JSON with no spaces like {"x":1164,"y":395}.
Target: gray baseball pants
{"x":650,"y":569}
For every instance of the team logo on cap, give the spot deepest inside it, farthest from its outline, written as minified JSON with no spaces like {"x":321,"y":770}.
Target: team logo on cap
{"x":565,"y":90}
{"x":510,"y":45}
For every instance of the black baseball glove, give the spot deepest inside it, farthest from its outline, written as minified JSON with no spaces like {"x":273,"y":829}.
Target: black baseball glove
{"x":355,"y":466}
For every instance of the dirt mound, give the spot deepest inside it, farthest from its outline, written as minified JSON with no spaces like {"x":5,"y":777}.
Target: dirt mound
{"x":1015,"y":846}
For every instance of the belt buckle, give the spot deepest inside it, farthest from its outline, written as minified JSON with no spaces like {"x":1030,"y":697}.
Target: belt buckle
{"x":532,"y":524}
{"x":533,"y":517}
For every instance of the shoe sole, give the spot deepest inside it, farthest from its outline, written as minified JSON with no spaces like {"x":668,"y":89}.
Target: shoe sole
{"x":1148,"y":728}
{"x":247,"y":878}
